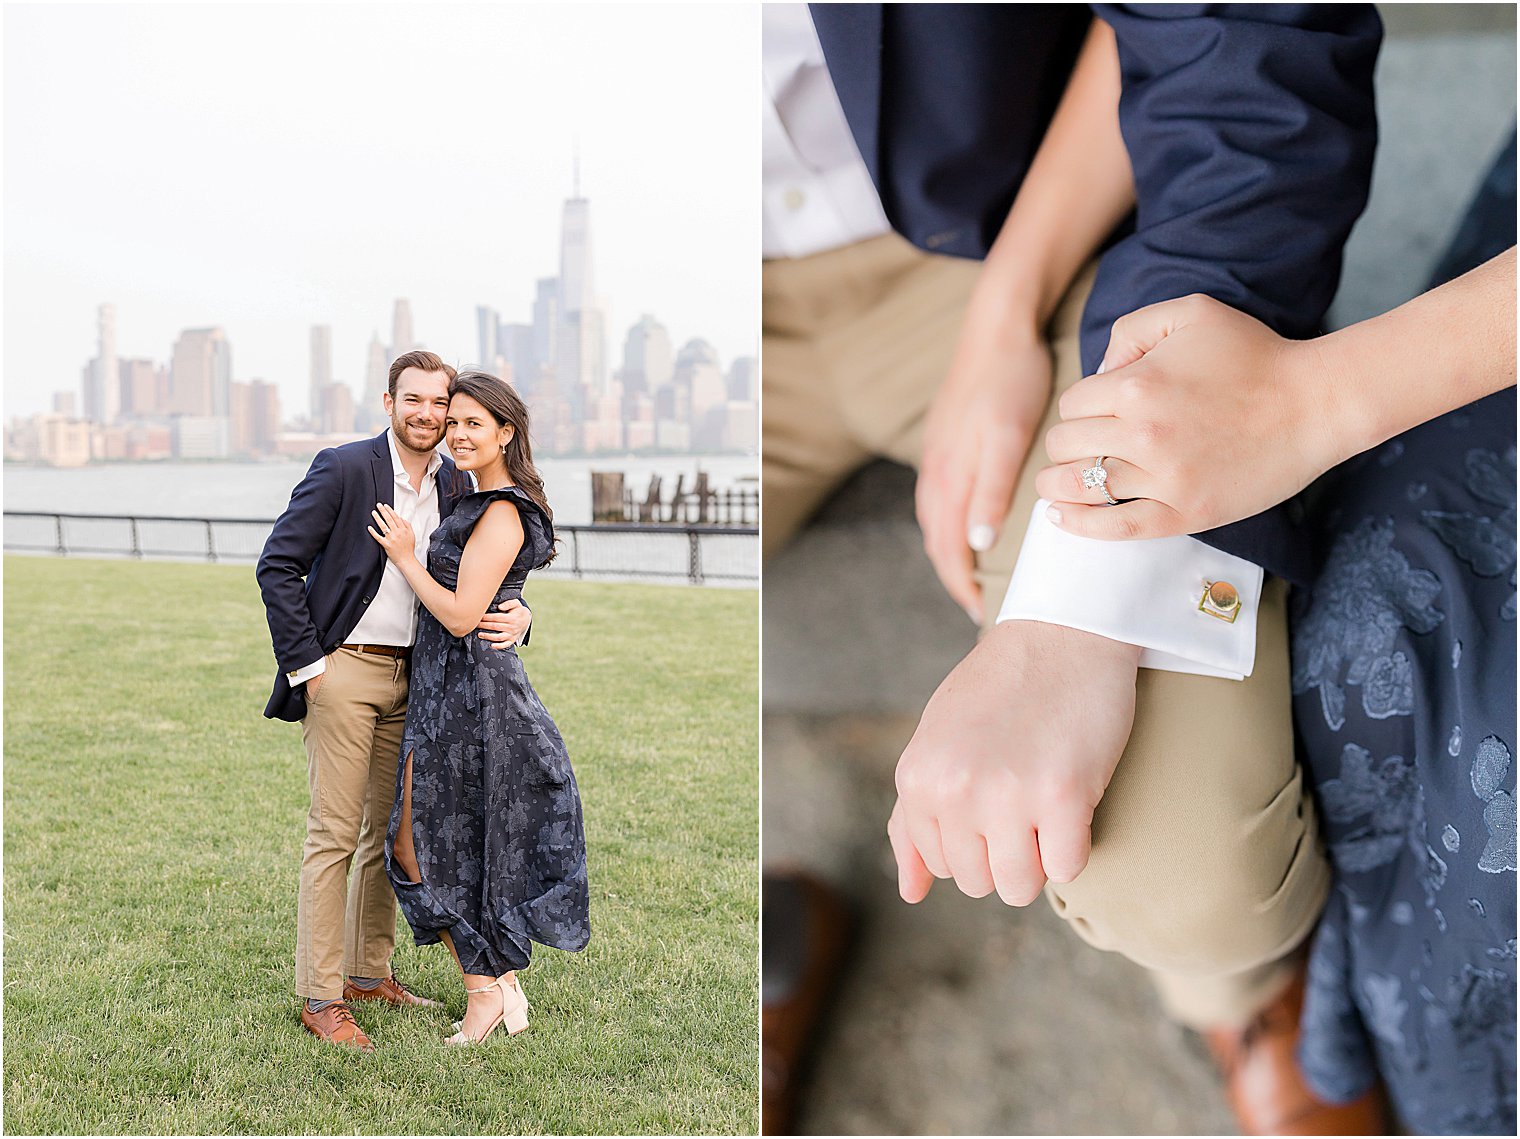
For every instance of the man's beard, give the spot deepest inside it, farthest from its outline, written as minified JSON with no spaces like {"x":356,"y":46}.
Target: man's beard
{"x":420,"y":439}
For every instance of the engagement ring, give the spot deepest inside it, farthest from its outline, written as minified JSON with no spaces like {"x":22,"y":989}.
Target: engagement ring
{"x":1095,"y":477}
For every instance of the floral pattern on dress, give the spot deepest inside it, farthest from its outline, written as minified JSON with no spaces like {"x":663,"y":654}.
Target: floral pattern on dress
{"x":1412,"y":967}
{"x":1490,"y":766}
{"x":496,"y":812}
{"x":1365,"y":595}
{"x":1486,"y":542}
{"x":1384,"y":795}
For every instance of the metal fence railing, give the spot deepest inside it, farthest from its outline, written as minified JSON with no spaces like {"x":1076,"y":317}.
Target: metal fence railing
{"x":697,"y":555}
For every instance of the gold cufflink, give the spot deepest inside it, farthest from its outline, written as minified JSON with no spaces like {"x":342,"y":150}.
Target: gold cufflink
{"x":1220,"y":599}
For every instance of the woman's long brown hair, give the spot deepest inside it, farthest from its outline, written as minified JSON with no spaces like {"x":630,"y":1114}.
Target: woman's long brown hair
{"x":507,"y":408}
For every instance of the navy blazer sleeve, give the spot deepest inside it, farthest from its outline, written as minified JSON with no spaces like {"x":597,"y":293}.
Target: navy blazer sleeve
{"x":1251,"y":130}
{"x":294,"y":547}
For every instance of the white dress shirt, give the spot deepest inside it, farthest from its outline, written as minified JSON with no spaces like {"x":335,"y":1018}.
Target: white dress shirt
{"x":391,"y":618}
{"x":816,"y":192}
{"x":818,"y":196}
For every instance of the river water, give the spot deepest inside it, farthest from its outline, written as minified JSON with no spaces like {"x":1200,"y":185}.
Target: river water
{"x":261,"y":490}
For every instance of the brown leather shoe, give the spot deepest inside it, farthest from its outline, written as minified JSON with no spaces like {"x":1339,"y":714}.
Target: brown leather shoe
{"x":390,"y":990}
{"x":336,"y":1025}
{"x":1266,"y":1089}
{"x":807,"y":931}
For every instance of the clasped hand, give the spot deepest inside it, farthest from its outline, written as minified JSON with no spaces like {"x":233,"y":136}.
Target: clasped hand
{"x":1203,"y":416}
{"x":998,"y":786}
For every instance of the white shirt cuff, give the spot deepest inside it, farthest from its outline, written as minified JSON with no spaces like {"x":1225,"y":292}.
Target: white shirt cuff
{"x":1143,"y":593}
{"x":302,"y":675}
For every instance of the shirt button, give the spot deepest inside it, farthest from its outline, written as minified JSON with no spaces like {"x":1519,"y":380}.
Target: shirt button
{"x":367,"y":600}
{"x":794,"y":198}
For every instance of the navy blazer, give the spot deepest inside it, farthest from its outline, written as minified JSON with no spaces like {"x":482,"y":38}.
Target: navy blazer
{"x":1250,"y":128}
{"x":323,"y":537}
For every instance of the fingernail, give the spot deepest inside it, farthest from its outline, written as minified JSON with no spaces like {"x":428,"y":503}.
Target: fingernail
{"x":975,"y":614}
{"x":981,"y":537}
{"x":1054,"y":514}
{"x":1101,"y":365}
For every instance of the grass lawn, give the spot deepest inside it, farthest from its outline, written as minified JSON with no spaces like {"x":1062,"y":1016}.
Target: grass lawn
{"x":153,"y":829}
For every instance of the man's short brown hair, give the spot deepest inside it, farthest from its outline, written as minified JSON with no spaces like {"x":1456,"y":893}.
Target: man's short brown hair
{"x":419,"y":358}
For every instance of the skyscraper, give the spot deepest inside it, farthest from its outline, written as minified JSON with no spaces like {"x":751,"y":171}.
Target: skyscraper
{"x":487,"y":335}
{"x":700,"y":390}
{"x":576,"y":286}
{"x":266,"y":416}
{"x":102,"y":379}
{"x":139,"y":389}
{"x":337,"y":409}
{"x":402,"y":340}
{"x":582,"y":357}
{"x":514,"y":343}
{"x":376,"y":383}
{"x":240,"y":429}
{"x":648,"y":357}
{"x":744,"y":379}
{"x":200,"y":373}
{"x":581,"y":360}
{"x":546,"y":322}
{"x":321,"y":367}
{"x":255,"y":418}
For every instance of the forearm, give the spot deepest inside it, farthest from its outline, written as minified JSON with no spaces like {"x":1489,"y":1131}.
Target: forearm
{"x":298,"y":537}
{"x":1250,"y":131}
{"x":1438,"y":352}
{"x":291,"y":631}
{"x":1078,"y":189}
{"x":458,"y":614}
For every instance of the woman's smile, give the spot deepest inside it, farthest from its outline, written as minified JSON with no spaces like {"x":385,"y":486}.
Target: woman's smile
{"x":473,"y":435}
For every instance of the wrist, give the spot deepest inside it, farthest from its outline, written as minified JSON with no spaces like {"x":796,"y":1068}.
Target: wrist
{"x":1065,"y":639}
{"x":1337,"y":420}
{"x":1009,"y":303}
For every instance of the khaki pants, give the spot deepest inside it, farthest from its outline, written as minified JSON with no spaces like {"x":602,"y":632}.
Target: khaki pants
{"x":1206,"y":864}
{"x":352,"y":733}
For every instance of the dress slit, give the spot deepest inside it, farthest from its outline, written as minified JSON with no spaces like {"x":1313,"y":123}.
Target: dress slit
{"x":407,"y":822}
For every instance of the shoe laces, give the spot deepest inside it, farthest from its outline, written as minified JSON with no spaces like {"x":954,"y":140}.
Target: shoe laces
{"x":341,"y":1011}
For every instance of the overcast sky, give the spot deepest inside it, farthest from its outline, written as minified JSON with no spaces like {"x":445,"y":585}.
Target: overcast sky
{"x":267,"y":167}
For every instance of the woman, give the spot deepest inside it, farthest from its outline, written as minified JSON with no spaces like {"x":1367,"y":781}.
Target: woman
{"x":485,"y":848}
{"x":1403,"y":647}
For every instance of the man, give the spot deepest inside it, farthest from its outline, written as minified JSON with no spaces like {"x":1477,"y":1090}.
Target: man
{"x":920,"y":122}
{"x":342,"y":639}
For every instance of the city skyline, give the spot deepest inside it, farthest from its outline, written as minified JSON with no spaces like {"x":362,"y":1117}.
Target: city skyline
{"x":678,"y":243}
{"x":654,"y":399}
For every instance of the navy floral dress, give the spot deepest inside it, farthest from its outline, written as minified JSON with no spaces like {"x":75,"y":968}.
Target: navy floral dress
{"x":496,"y":816}
{"x":1404,"y":699}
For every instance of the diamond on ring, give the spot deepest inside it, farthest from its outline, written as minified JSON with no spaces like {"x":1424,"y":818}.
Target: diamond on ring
{"x":1095,"y":477}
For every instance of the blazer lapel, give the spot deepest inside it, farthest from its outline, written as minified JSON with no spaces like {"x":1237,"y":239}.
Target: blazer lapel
{"x":384,"y":474}
{"x":385,"y":491}
{"x":850,"y":35}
